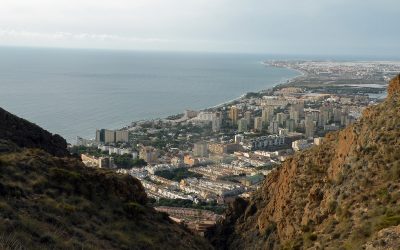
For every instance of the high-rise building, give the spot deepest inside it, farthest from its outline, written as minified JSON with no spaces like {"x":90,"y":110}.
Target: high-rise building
{"x":234,"y":114}
{"x":324,"y":116}
{"x":242,"y":125}
{"x":281,"y":118}
{"x":247,"y":116}
{"x":121,"y":136}
{"x":290,"y":125}
{"x":258,"y":124}
{"x":314,"y":114}
{"x":109,"y":136}
{"x":216,"y":122}
{"x":105,"y":136}
{"x":98,"y":135}
{"x":273,"y":127}
{"x":200,"y":149}
{"x":267,"y":114}
{"x":337,"y":113}
{"x":309,"y":126}
{"x":299,"y":107}
{"x":149,"y":154}
{"x":346,"y":120}
{"x":294,"y":115}
{"x":112,"y":136}
{"x":350,"y":120}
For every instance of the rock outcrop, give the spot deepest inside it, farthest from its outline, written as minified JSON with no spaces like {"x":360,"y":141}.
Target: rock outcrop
{"x":339,"y":195}
{"x":50,"y":200}
{"x":394,"y":87}
{"x":386,"y":239}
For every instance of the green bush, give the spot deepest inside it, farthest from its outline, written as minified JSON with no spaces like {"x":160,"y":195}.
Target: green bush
{"x":67,"y":208}
{"x":177,"y":174}
{"x":312,"y":237}
{"x":332,"y":206}
{"x":363,"y":232}
{"x":388,"y":221}
{"x":60,"y":174}
{"x":134,"y":208}
{"x":126,"y":161}
{"x":271,"y":228}
{"x":46,"y":239}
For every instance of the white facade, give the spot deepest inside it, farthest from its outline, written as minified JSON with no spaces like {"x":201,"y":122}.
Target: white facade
{"x":265,"y":142}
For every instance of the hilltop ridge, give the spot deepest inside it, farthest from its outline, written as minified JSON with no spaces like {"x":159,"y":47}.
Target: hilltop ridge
{"x":50,"y":200}
{"x":394,"y":87}
{"x":343,"y":194}
{"x":25,"y":134}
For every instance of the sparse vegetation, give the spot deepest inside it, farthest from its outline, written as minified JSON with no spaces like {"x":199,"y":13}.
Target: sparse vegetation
{"x":177,"y":174}
{"x":49,"y":202}
{"x":339,"y":195}
{"x":212,"y":206}
{"x":126,"y":161}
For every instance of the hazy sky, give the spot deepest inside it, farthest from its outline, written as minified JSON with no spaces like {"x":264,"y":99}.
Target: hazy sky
{"x":359,"y":27}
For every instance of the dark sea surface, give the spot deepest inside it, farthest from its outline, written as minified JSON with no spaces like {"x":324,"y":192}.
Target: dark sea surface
{"x":73,"y":92}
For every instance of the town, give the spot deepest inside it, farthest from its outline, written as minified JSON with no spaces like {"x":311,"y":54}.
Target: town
{"x":204,"y":159}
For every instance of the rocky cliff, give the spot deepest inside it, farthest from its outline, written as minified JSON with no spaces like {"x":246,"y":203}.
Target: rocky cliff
{"x":49,"y":200}
{"x":343,"y":194}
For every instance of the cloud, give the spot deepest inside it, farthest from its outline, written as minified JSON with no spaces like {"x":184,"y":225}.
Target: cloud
{"x":261,"y":26}
{"x":23,"y":34}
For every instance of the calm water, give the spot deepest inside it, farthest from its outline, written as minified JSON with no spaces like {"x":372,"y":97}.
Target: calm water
{"x":73,"y":92}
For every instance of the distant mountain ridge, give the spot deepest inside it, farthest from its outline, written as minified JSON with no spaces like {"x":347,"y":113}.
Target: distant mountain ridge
{"x":50,"y":200}
{"x":343,"y":194}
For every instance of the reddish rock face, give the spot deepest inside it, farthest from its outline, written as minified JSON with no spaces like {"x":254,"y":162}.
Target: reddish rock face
{"x":394,"y":86}
{"x":388,"y":238}
{"x":336,"y":195}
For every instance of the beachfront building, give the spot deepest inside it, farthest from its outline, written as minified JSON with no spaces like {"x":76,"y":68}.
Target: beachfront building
{"x":267,"y":114}
{"x":309,"y":126}
{"x":216,"y":122}
{"x":242,"y":125}
{"x":111,"y":136}
{"x":273,"y":127}
{"x":258,"y":124}
{"x":234,"y":114}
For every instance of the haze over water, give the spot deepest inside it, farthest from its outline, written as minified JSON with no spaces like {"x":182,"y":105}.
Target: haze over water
{"x":73,"y":92}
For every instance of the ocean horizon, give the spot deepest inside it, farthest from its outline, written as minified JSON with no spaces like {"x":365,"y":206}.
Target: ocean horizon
{"x":72,"y":92}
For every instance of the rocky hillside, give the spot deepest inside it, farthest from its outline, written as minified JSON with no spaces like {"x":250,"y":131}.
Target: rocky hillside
{"x":343,"y":194}
{"x":49,"y":200}
{"x":28,"y":135}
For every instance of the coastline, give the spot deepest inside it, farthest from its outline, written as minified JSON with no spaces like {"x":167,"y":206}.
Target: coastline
{"x":282,"y":82}
{"x":229,"y":102}
{"x":301,"y":72}
{"x":276,"y":84}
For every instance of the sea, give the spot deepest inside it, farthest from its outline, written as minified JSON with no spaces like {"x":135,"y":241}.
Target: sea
{"x":72,"y":92}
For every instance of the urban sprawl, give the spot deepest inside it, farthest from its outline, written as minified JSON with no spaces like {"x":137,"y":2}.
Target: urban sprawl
{"x":209,"y":157}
